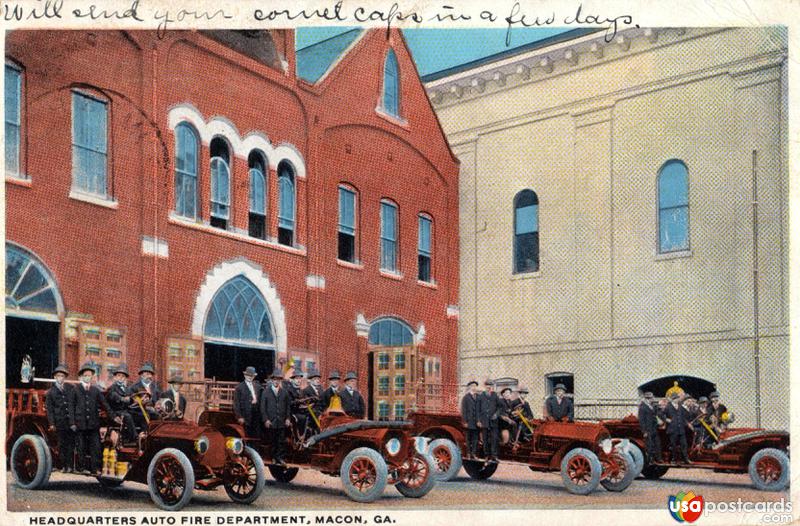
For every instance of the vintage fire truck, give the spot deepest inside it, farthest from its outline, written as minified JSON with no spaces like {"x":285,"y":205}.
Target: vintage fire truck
{"x":172,"y":456}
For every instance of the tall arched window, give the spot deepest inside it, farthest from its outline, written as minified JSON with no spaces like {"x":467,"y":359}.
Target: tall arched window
{"x":424,"y":248}
{"x":186,"y":156}
{"x":220,"y":183}
{"x":286,"y":202}
{"x":526,"y":232}
{"x":258,"y":195}
{"x":391,"y":85}
{"x":13,"y":103}
{"x":673,"y":207}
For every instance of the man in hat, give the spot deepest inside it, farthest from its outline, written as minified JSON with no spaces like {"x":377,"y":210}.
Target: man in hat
{"x":174,"y":394}
{"x":85,"y":404}
{"x":558,"y":406}
{"x":119,"y":399}
{"x":246,"y":399}
{"x":678,"y":421}
{"x":525,"y":410}
{"x":509,"y":404}
{"x":717,"y":409}
{"x":275,"y":412}
{"x":148,"y":385}
{"x":491,"y":408}
{"x":470,"y":413}
{"x":333,"y":389}
{"x":292,"y":386}
{"x":352,"y":401}
{"x":648,"y":423}
{"x":58,"y":417}
{"x":313,"y":394}
{"x":700,"y":433}
{"x":526,"y":407}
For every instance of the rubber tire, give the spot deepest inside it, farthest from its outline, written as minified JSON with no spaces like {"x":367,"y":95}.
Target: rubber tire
{"x":652,"y":472}
{"x":261,"y":479}
{"x":479,"y":470}
{"x":783,"y":460}
{"x":638,"y":458}
{"x":44,"y":461}
{"x":382,"y":474}
{"x":283,"y":474}
{"x":595,"y":466}
{"x":426,"y":486}
{"x":188,"y":471}
{"x":455,"y":459}
{"x":627,"y":479}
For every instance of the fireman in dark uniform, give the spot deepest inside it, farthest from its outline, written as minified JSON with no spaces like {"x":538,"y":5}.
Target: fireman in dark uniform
{"x":58,"y":417}
{"x":85,"y":404}
{"x":490,"y":410}
{"x":352,"y":401}
{"x":119,"y":398}
{"x":648,"y":423}
{"x":147,"y":384}
{"x":246,"y":399}
{"x":275,"y":414}
{"x":174,"y":394}
{"x":559,"y":407}
{"x":507,"y":420}
{"x":678,"y":421}
{"x":292,"y":387}
{"x":333,"y":388}
{"x":313,"y":392}
{"x":470,"y":413}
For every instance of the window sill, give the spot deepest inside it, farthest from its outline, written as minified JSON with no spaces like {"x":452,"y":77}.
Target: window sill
{"x":678,"y":254}
{"x":348,"y":264}
{"x":391,"y":275}
{"x":394,"y":119}
{"x":203,"y":227}
{"x":526,"y":275}
{"x":428,"y":284}
{"x":19,"y":180}
{"x":93,"y":199}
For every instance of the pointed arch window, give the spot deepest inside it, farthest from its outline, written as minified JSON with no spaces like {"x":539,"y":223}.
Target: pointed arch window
{"x":526,"y":232}
{"x":258,"y":195}
{"x":220,"y":183}
{"x":186,"y":165}
{"x":286,"y":203}
{"x":673,"y":207}
{"x":391,"y":85}
{"x":239,"y":314}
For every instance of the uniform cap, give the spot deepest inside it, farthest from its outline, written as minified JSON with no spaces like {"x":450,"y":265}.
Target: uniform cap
{"x":334,"y":375}
{"x":250,"y":371}
{"x":147,"y":367}
{"x":351,"y":375}
{"x":62,"y":368}
{"x":122,"y":368}
{"x":88,"y":366}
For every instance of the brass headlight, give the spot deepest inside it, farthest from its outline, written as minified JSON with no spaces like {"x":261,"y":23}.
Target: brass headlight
{"x":201,"y":445}
{"x":393,"y":446}
{"x":234,"y":445}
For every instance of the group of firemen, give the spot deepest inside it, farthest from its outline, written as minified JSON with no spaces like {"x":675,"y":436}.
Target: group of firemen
{"x":488,"y":416}
{"x":679,"y":413}
{"x":268,"y":411}
{"x":73,"y":410}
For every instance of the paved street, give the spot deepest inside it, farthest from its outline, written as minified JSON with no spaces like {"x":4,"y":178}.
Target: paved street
{"x":511,"y":487}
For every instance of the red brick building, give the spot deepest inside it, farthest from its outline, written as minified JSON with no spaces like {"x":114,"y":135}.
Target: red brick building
{"x":195,"y":202}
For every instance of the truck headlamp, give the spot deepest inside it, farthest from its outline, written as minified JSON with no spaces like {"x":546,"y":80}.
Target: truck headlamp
{"x":201,"y":445}
{"x":234,"y":445}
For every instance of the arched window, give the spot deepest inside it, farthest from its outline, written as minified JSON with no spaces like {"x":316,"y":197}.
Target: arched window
{"x":424,"y":248}
{"x":286,"y":202}
{"x":186,"y":157}
{"x":388,"y":236}
{"x":258,"y":195}
{"x":29,"y":286}
{"x":390,"y":332}
{"x":391,"y":85}
{"x":13,"y":103}
{"x":239,"y":315}
{"x":526,"y":232}
{"x":220,"y":183}
{"x":347,"y":224}
{"x":673,"y":207}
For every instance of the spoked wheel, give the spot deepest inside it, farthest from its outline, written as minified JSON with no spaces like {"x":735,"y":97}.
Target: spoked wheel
{"x":282,"y":473}
{"x":619,"y":470}
{"x":769,"y":469}
{"x":364,"y":474}
{"x":244,"y":478}
{"x":417,"y":476}
{"x":170,"y":479}
{"x":446,"y":457}
{"x":654,"y":471}
{"x":31,"y":462}
{"x":581,"y":471}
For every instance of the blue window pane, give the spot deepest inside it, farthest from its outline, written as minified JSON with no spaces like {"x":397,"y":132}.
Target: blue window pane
{"x":674,"y":229}
{"x":424,"y":235}
{"x":13,"y":96}
{"x":258,"y":193}
{"x":186,"y":159}
{"x":89,"y":141}
{"x":220,"y":189}
{"x":239,"y":313}
{"x":390,"y":333}
{"x":391,"y":95}
{"x":673,"y":204}
{"x":28,"y":286}
{"x":673,"y":185}
{"x":285,"y":197}
{"x":388,"y":221}
{"x":527,"y":219}
{"x":12,"y":148}
{"x":347,"y":211}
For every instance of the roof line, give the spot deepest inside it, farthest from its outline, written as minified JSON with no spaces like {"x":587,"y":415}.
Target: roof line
{"x":337,"y":35}
{"x":547,"y":41}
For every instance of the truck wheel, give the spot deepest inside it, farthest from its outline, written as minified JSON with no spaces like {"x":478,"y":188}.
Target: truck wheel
{"x":638,"y":459}
{"x":769,"y":469}
{"x":170,"y":479}
{"x":653,"y":472}
{"x":581,"y":471}
{"x":282,"y":473}
{"x":446,"y":458}
{"x":244,"y":480}
{"x":31,"y":462}
{"x":480,"y":470}
{"x":364,"y":474}
{"x":619,"y":471}
{"x":419,"y":478}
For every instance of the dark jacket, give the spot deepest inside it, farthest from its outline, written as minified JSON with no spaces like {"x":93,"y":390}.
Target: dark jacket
{"x":294,"y":394}
{"x":155,"y":391}
{"x":170,"y":396}
{"x":242,"y":406}
{"x":58,"y":406}
{"x":85,"y":406}
{"x":648,"y":422}
{"x":275,"y":408}
{"x":491,"y":407}
{"x":309,"y":392}
{"x":559,"y":411}
{"x":353,"y":404}
{"x":677,"y":418}
{"x":115,"y":395}
{"x":327,"y":394}
{"x":526,"y":410}
{"x":471,"y":410}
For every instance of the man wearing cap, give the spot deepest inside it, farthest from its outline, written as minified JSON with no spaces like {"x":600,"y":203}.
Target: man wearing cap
{"x":85,"y":403}
{"x":507,"y":419}
{"x":333,"y":389}
{"x":174,"y":394}
{"x":146,"y":384}
{"x":275,"y":412}
{"x":648,"y":423}
{"x":58,"y":417}
{"x":470,"y":413}
{"x":491,"y":408}
{"x":313,"y":395}
{"x":246,"y":399}
{"x":717,"y":409}
{"x":700,"y":433}
{"x":119,"y":399}
{"x":558,"y":406}
{"x":352,"y":401}
{"x":678,"y":422}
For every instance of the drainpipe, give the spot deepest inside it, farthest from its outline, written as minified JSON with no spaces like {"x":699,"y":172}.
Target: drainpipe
{"x":756,"y":342}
